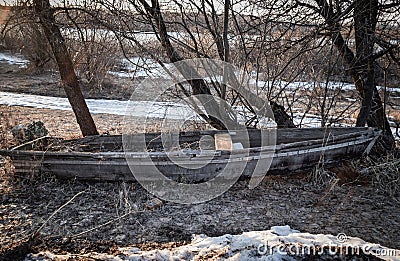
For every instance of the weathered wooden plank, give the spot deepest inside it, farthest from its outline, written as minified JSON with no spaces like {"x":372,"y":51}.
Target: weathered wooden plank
{"x":284,"y":136}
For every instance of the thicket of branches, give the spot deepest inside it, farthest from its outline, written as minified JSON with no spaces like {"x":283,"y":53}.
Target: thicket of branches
{"x":276,"y":42}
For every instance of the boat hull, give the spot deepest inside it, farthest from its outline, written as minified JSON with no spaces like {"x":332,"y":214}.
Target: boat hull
{"x":291,"y":157}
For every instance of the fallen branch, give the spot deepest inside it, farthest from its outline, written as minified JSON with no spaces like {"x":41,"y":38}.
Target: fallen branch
{"x":55,"y":212}
{"x":106,"y":223}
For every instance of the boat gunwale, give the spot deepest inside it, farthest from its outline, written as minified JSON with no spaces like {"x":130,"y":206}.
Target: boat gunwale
{"x":196,"y":160}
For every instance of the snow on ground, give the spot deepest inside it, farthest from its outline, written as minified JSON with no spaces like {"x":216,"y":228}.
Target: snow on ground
{"x":278,"y":243}
{"x":149,"y":109}
{"x":13,"y":59}
{"x":141,"y":67}
{"x":175,"y":111}
{"x":100,"y":35}
{"x":116,"y":107}
{"x":146,"y":67}
{"x":292,"y":86}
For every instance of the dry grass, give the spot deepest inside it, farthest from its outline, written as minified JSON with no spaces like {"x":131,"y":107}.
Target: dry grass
{"x":322,"y":177}
{"x":395,"y":115}
{"x":384,"y":175}
{"x":59,"y":123}
{"x":7,"y":121}
{"x":7,"y":179}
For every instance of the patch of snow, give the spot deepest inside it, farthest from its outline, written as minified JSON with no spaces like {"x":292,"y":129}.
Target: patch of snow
{"x":116,"y":107}
{"x":122,"y":74}
{"x":283,"y":230}
{"x":142,"y":67}
{"x":311,"y":85}
{"x":13,"y":59}
{"x":169,"y":110}
{"x":396,"y":133}
{"x":147,"y":67}
{"x":297,"y":85}
{"x":388,"y":89}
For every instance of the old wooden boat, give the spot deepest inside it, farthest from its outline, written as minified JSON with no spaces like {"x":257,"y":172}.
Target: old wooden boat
{"x":103,"y":158}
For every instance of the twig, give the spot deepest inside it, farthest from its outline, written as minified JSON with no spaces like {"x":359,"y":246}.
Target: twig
{"x":55,"y":212}
{"x":333,"y":182}
{"x":106,"y":223}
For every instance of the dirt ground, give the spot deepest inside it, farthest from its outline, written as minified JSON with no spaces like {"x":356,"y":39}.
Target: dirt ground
{"x":59,"y":123}
{"x":79,"y":217}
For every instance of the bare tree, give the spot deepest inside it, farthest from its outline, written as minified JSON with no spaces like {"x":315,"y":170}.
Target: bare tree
{"x":44,"y":12}
{"x":201,"y":20}
{"x":276,"y":41}
{"x":361,"y":62}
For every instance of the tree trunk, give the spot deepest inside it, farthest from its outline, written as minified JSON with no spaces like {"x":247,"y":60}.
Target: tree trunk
{"x":69,"y":80}
{"x":362,"y":64}
{"x":281,"y":117}
{"x":372,"y":111}
{"x":365,"y":15}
